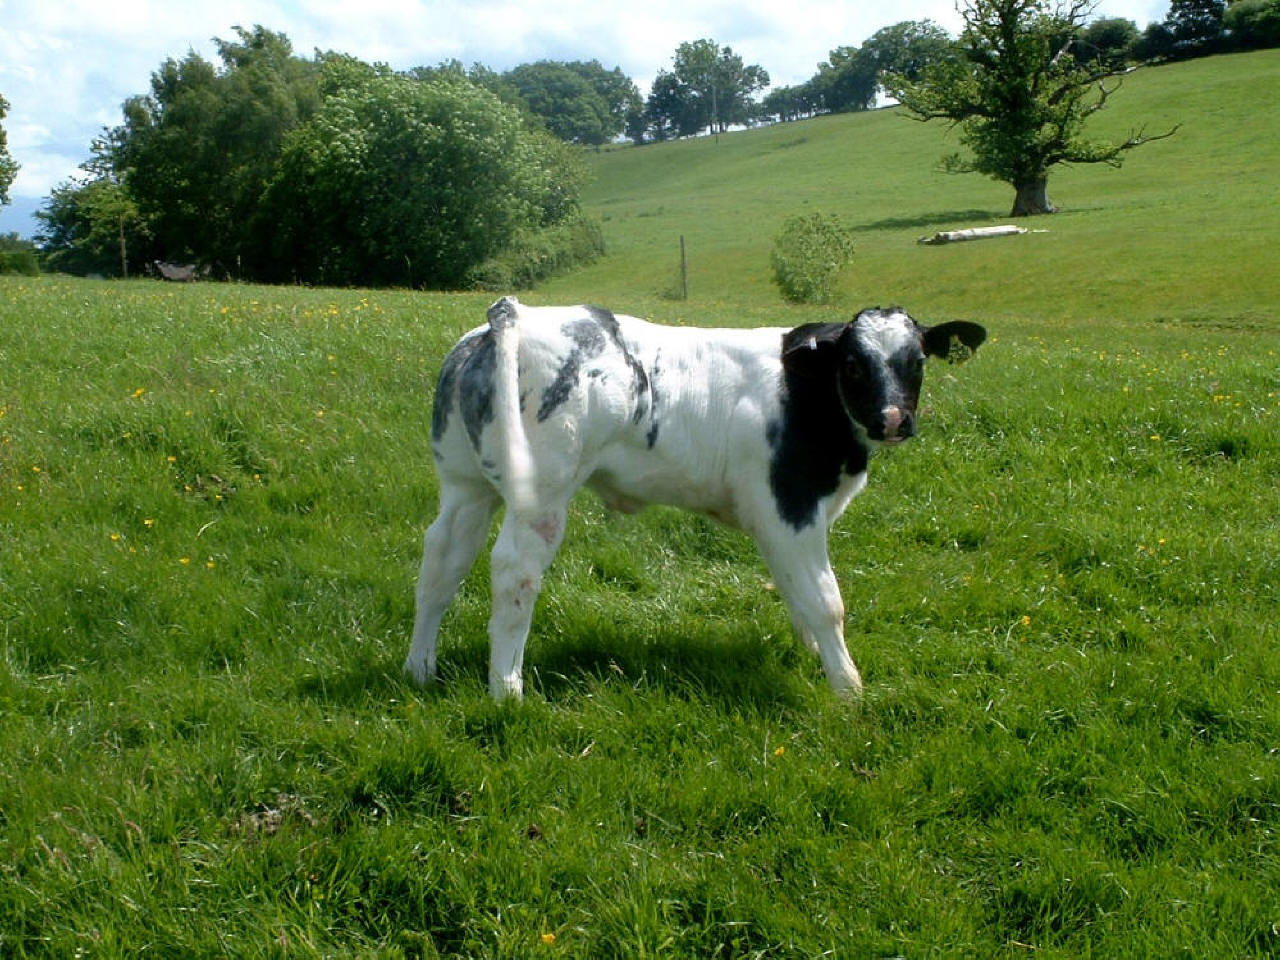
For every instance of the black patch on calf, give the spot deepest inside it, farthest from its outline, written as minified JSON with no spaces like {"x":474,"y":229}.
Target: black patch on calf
{"x":459,"y":359}
{"x":586,"y":335}
{"x":814,"y":444}
{"x":475,"y":385}
{"x":655,"y":395}
{"x":588,"y":343}
{"x":640,"y":386}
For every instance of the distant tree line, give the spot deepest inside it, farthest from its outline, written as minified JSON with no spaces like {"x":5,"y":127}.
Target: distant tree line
{"x":1192,"y":28}
{"x":272,"y":166}
{"x":853,"y":78}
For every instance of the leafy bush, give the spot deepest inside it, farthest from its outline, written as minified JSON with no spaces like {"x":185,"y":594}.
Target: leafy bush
{"x":534,"y":255}
{"x":18,"y":256}
{"x":808,"y":253}
{"x":413,"y":183}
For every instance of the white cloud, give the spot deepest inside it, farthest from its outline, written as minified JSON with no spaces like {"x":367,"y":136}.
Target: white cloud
{"x":66,"y":67}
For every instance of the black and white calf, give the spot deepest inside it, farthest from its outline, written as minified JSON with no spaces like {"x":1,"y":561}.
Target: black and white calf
{"x":768,"y":430}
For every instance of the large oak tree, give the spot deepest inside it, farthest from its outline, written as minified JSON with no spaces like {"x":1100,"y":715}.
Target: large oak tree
{"x":1019,"y":96}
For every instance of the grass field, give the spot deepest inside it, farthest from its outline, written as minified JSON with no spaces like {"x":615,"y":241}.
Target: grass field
{"x":1062,"y":596}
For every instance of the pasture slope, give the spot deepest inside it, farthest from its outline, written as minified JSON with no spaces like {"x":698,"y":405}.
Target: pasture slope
{"x":1062,"y":596}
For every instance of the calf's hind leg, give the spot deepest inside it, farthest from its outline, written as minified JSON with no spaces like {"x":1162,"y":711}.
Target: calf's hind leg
{"x":449,"y":549}
{"x":527,"y":543}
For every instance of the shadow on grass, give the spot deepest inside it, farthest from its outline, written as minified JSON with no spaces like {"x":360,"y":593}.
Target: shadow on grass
{"x":717,"y":666}
{"x":927,"y":220}
{"x":734,"y":670}
{"x":740,"y":672}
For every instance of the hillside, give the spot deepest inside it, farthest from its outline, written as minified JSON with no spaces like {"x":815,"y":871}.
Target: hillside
{"x":1186,"y":230}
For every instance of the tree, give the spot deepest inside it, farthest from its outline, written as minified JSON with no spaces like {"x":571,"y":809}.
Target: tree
{"x":852,"y":76}
{"x":92,"y":224}
{"x":614,"y":87}
{"x":341,"y":71}
{"x":1018,"y":96}
{"x":91,"y":227}
{"x":671,"y":110}
{"x":709,"y":86}
{"x":907,"y":48}
{"x":197,"y":152}
{"x":580,"y":102}
{"x":808,"y":254}
{"x":1196,"y":25}
{"x":720,"y":79}
{"x":8,"y":169}
{"x":570,"y":107}
{"x":18,"y":256}
{"x":792,"y":103}
{"x":1155,"y":43}
{"x":847,"y":81}
{"x":331,"y":170}
{"x":1254,"y":23}
{"x":1109,"y":40}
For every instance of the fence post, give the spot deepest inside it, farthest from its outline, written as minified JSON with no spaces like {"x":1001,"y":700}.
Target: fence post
{"x":684,"y":271}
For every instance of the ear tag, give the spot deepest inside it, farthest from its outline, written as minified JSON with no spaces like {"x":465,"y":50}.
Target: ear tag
{"x":957,"y":352}
{"x":813,"y":343}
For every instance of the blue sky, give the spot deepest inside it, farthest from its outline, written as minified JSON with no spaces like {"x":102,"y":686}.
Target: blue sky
{"x":67,"y":65}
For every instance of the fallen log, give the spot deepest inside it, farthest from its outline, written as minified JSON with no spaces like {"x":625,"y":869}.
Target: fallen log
{"x":973,"y":233}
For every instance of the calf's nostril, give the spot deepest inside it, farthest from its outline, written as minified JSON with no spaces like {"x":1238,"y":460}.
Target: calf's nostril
{"x":892,"y":419}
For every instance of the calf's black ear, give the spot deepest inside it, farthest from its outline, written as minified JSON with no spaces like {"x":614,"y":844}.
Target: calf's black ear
{"x":954,"y":341}
{"x":811,"y":347}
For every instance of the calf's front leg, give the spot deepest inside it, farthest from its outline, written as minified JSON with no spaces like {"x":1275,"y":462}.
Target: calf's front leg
{"x":803,"y":574}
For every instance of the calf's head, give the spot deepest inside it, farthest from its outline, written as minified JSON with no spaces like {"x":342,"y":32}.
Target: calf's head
{"x":876,"y":362}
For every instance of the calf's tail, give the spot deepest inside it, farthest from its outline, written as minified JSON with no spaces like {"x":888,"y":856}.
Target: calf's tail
{"x":518,"y":473}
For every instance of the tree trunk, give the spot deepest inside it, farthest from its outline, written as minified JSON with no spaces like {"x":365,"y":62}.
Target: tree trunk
{"x":1033,"y":198}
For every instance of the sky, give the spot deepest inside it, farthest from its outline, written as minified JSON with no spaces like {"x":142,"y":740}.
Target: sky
{"x":66,"y":66}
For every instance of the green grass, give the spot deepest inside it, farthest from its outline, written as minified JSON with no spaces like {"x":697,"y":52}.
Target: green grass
{"x":1062,"y":596}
